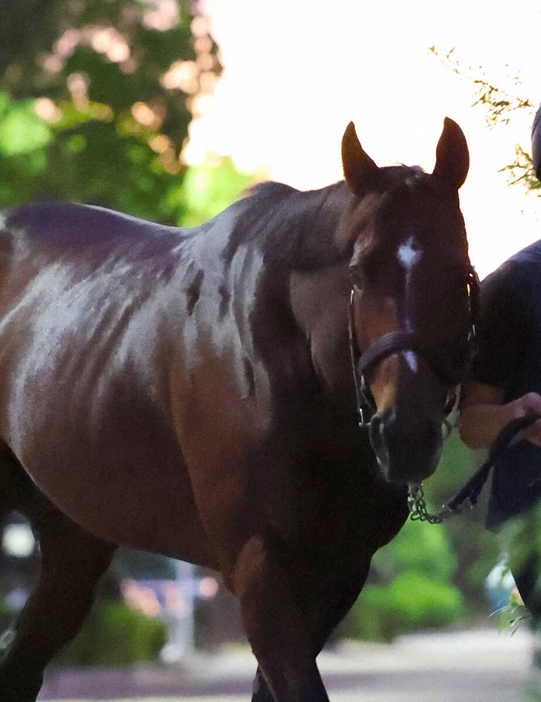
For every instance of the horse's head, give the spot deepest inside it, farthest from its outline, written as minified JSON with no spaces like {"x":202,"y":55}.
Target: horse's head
{"x":413,"y":299}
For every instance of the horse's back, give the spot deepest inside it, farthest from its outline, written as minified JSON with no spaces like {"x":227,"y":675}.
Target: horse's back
{"x":75,"y":227}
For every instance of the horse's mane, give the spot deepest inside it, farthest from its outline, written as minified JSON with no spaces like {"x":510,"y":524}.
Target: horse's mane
{"x":297,"y":229}
{"x":291,"y":227}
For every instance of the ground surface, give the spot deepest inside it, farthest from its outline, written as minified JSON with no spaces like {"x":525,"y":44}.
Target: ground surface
{"x":474,"y":666}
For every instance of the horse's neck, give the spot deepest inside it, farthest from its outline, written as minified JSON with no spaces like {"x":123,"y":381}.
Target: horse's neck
{"x":279,"y":245}
{"x":320,"y":306}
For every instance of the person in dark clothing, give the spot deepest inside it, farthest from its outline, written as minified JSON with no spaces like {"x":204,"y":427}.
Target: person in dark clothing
{"x":505,"y":383}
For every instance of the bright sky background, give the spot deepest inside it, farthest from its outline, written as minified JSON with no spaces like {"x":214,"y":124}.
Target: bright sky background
{"x":297,"y":71}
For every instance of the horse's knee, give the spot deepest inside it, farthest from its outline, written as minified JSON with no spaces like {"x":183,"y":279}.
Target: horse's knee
{"x":275,"y":627}
{"x":264,"y":593}
{"x":247,"y":569}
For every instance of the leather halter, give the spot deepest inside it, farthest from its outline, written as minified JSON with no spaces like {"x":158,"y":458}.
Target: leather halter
{"x":396,"y":342}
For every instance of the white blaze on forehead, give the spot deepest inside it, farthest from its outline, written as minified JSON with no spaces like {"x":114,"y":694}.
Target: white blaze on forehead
{"x":409,"y":254}
{"x":411,"y":360}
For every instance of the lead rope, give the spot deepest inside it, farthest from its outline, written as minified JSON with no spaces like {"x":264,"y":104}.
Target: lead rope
{"x":467,"y":496}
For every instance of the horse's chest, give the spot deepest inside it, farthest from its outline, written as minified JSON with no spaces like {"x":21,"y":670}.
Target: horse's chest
{"x":308,"y":493}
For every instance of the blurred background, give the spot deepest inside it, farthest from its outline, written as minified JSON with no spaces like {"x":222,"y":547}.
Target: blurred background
{"x":168,"y":110}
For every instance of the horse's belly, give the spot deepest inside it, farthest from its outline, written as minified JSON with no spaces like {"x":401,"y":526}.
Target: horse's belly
{"x":146,"y":507}
{"x":120,"y":476}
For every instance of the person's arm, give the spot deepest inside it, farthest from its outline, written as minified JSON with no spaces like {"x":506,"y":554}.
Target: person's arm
{"x":483,"y":415}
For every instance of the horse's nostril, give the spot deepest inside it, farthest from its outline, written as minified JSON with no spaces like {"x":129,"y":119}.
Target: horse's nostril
{"x":404,"y":454}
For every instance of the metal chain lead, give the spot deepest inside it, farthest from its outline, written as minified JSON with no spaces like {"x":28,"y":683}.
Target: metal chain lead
{"x":467,"y":497}
{"x":419,"y":510}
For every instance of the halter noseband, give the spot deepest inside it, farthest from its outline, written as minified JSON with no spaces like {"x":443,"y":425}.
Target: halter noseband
{"x":396,"y":342}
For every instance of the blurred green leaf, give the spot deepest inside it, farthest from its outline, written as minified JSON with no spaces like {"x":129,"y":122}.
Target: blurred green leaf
{"x":22,"y":131}
{"x":210,"y":188}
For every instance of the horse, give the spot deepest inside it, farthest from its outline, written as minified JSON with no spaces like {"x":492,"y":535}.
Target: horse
{"x":196,"y":392}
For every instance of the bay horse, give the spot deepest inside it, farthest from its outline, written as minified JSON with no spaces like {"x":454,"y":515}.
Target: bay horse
{"x":190,"y":392}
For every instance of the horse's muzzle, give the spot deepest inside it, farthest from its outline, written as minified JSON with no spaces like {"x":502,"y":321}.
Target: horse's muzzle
{"x":407,"y":453}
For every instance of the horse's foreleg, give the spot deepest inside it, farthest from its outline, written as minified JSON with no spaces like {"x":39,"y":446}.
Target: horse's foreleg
{"x":260,"y":690}
{"x":276,"y":629}
{"x":324,"y":602}
{"x":327,"y":602}
{"x":72,"y":561}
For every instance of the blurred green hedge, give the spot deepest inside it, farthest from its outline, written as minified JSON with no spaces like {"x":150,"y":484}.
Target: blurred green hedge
{"x":411,"y":601}
{"x":410,"y":586}
{"x":115,"y":635}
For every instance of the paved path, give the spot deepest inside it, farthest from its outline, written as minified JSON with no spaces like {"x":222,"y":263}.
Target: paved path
{"x":476,"y":666}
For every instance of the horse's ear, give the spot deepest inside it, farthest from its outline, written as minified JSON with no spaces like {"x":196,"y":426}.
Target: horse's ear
{"x":361,"y":173}
{"x":452,"y":156}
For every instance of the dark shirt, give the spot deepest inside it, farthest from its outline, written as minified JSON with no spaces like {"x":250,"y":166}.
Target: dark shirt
{"x":509,"y":358}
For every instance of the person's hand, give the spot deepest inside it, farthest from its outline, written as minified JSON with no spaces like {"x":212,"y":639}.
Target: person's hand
{"x":530,"y":403}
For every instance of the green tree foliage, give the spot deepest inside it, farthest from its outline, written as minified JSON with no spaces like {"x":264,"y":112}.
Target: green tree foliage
{"x":96,"y":98}
{"x":499,"y":103}
{"x":210,"y":188}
